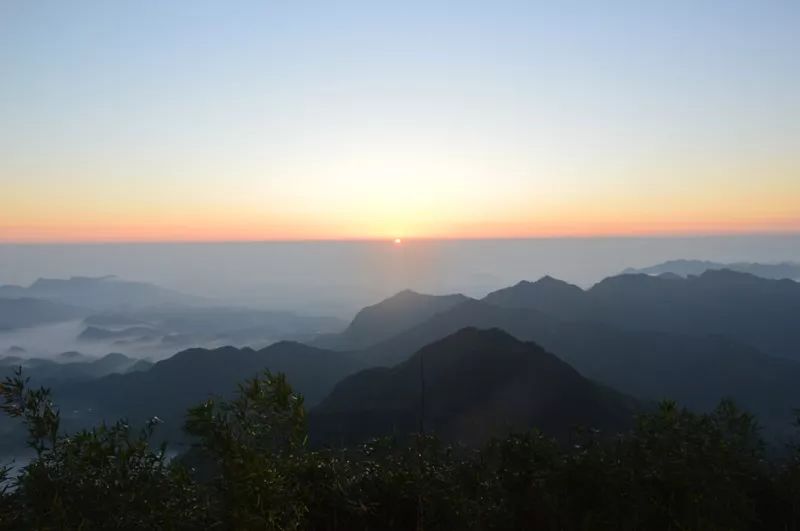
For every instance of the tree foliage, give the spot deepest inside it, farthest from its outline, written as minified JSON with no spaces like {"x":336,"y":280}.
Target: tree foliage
{"x":252,"y":468}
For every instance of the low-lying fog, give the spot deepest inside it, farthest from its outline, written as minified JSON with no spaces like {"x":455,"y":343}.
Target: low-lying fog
{"x":48,"y":341}
{"x":52,"y":341}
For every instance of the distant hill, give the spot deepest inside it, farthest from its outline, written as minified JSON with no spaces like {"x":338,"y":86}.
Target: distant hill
{"x":27,"y":312}
{"x":685,"y":268}
{"x":478,"y":383}
{"x":762,"y":312}
{"x":99,"y":293}
{"x":695,"y":370}
{"x":171,"y":386}
{"x":387,"y":318}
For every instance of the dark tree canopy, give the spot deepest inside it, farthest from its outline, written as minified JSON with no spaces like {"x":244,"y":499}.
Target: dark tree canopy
{"x":252,"y":468}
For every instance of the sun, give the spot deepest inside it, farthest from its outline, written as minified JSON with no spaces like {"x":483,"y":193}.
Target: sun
{"x":398,"y":241}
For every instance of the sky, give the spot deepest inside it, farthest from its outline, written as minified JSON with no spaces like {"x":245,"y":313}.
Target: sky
{"x":284,"y":120}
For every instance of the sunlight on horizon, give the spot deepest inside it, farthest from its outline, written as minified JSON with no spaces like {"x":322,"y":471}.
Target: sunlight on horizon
{"x":370,"y":122}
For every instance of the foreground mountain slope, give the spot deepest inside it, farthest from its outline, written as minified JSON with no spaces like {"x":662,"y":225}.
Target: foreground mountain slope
{"x":477,"y":383}
{"x":389,"y":317}
{"x":546,"y":294}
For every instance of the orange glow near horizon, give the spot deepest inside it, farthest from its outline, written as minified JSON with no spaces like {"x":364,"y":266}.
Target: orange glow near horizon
{"x":270,"y":122}
{"x":390,"y":194}
{"x":446,"y":196}
{"x":220,"y":232}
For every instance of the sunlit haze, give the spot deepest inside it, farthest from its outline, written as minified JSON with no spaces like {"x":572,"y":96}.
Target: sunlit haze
{"x":209,"y":121}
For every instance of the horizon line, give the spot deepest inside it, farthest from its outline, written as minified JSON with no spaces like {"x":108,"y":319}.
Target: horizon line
{"x":407,"y":239}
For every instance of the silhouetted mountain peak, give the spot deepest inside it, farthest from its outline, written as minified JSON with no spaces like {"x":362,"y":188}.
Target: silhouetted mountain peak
{"x":478,"y":383}
{"x":474,"y":337}
{"x":491,"y":345}
{"x":404,"y":294}
{"x":389,"y":317}
{"x":541,"y":293}
{"x":408,"y":296}
{"x":548,"y":282}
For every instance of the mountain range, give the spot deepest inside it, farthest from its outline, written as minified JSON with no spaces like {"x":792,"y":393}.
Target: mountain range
{"x":684,"y":268}
{"x":688,"y":365}
{"x":760,"y":312}
{"x":533,"y":354}
{"x":99,"y":293}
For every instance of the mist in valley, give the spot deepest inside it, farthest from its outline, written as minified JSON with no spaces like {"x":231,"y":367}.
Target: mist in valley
{"x":337,"y":278}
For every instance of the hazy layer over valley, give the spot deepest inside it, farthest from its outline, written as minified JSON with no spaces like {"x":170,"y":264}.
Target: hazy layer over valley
{"x":339,"y":278}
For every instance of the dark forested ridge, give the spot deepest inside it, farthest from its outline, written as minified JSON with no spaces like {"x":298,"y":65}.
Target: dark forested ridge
{"x":468,"y":387}
{"x":170,"y":386}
